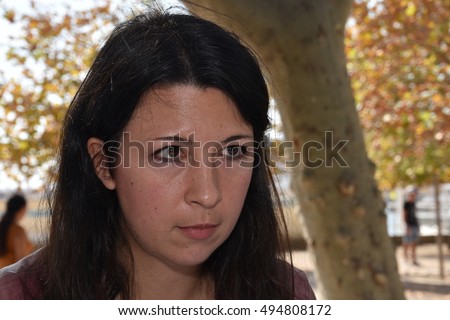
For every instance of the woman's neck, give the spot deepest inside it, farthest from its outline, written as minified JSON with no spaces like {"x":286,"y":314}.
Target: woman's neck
{"x":169,"y":285}
{"x":158,"y":280}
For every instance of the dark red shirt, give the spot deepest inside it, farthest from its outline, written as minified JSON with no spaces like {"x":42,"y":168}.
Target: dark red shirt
{"x":303,"y":290}
{"x":22,"y":280}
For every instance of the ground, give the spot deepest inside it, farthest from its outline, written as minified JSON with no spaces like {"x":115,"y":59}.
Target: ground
{"x":420,"y":282}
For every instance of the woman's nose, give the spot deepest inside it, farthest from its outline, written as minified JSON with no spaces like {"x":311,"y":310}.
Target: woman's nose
{"x":203,"y":185}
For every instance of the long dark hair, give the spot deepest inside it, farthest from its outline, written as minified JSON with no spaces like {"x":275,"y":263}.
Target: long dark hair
{"x":159,"y":49}
{"x":13,"y":206}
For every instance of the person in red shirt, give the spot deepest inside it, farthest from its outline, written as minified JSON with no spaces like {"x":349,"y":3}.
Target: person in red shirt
{"x":163,"y":189}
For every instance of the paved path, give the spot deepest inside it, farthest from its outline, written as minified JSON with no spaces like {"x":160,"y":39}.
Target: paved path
{"x":420,"y":282}
{"x":424,"y":281}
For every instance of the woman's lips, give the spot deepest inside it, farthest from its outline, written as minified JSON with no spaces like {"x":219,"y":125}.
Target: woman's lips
{"x":199,"y":231}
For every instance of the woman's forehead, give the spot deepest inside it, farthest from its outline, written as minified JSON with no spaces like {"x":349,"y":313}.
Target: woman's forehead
{"x":185,"y":109}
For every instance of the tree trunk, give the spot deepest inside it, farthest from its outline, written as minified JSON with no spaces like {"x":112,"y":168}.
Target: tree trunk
{"x":302,"y":42}
{"x":439,"y":242}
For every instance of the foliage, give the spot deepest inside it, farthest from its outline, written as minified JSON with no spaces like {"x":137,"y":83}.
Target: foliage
{"x":398,"y":58}
{"x":50,"y":56}
{"x":398,"y":54}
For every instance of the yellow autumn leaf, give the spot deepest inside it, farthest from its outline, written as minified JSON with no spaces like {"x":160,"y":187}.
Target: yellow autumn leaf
{"x":437,"y":98}
{"x":10,"y":15}
{"x":411,"y":9}
{"x":51,"y":87}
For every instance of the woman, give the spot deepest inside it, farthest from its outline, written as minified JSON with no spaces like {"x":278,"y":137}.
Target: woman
{"x":163,"y":191}
{"x":14,"y":243}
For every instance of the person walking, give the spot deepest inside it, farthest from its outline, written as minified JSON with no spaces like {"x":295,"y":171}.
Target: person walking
{"x":411,"y":237}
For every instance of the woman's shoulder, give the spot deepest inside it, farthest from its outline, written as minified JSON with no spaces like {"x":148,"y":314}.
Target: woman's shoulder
{"x":302,"y":287}
{"x":16,"y":231}
{"x":22,"y":280}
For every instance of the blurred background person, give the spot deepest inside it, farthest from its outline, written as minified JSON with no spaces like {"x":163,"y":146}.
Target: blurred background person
{"x":14,"y":243}
{"x":412,"y":228}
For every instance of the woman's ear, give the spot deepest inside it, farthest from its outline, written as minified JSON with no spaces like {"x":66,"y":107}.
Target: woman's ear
{"x":95,"y":150}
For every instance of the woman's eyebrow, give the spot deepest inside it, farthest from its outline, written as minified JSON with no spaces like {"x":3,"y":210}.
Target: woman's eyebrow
{"x":237,"y":137}
{"x":177,"y":138}
{"x":171,"y":138}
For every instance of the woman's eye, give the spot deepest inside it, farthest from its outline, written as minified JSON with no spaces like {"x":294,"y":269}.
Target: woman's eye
{"x":169,"y":153}
{"x":235,"y":151}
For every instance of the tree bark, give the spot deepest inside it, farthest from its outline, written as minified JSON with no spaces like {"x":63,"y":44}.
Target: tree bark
{"x":302,"y":42}
{"x":439,"y":242}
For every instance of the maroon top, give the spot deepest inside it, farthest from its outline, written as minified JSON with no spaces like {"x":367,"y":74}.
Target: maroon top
{"x":23,"y":280}
{"x":303,"y":290}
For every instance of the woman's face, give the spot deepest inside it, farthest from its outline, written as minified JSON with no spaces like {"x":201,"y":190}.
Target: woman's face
{"x":186,"y":164}
{"x":21,"y":213}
